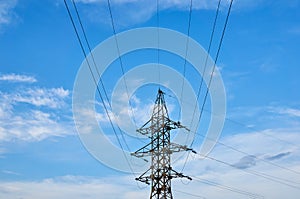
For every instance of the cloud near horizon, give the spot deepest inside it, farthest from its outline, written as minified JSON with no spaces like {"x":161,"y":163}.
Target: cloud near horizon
{"x":76,"y":187}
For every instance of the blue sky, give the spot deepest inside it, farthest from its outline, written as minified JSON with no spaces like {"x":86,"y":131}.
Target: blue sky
{"x":41,"y":154}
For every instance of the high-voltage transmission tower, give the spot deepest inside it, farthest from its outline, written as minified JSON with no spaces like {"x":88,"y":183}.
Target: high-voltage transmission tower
{"x":160,"y":173}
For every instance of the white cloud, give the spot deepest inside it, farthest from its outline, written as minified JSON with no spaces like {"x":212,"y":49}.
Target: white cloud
{"x":47,"y":97}
{"x":128,"y":12}
{"x":75,"y":187}
{"x":139,"y":112}
{"x":258,"y":117}
{"x":52,"y":98}
{"x":286,"y":154}
{"x":6,"y":13}
{"x":164,"y":4}
{"x":17,"y":78}
{"x":31,"y":114}
{"x":33,"y":126}
{"x":285,"y":111}
{"x":121,"y":186}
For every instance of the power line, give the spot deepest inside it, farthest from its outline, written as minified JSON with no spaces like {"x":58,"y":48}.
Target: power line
{"x":158,"y":39}
{"x":224,"y":187}
{"x":89,"y":66}
{"x":248,"y":154}
{"x":190,"y":194}
{"x":120,"y":60}
{"x":90,"y":50}
{"x":96,"y":67}
{"x":253,"y":172}
{"x":256,"y":130}
{"x":216,"y":59}
{"x":186,"y":50}
{"x":206,"y":58}
{"x":214,"y":67}
{"x":244,"y":125}
{"x":97,"y":87}
{"x":243,"y":152}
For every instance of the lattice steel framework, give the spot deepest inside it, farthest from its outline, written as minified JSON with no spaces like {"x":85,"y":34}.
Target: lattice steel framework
{"x":160,"y":149}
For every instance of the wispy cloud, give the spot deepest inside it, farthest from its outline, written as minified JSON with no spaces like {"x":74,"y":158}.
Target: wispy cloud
{"x":33,"y":126}
{"x":17,"y":78}
{"x":274,"y":115}
{"x":129,"y":12}
{"x":285,"y":111}
{"x":206,"y":4}
{"x":139,"y":111}
{"x":6,"y":11}
{"x":53,"y":97}
{"x":31,"y":113}
{"x":10,"y":172}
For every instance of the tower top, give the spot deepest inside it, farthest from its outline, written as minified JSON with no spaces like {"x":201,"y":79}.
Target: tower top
{"x":160,"y":91}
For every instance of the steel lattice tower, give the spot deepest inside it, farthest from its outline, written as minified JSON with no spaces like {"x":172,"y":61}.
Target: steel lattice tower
{"x":160,"y":149}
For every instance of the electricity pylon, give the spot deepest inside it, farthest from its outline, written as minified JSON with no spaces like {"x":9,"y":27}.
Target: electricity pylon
{"x":160,"y":149}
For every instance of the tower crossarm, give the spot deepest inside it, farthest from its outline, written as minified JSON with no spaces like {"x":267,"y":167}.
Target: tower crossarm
{"x":177,"y":148}
{"x":144,"y":177}
{"x":145,"y":131}
{"x":175,"y":125}
{"x":144,"y":151}
{"x":175,"y":174}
